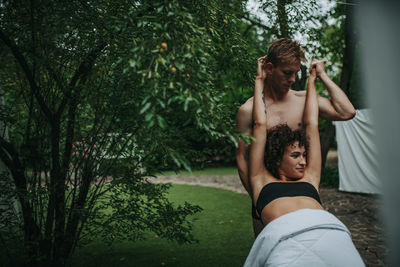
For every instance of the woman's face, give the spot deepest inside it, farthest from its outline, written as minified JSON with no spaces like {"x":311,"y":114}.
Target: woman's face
{"x":293,"y":162}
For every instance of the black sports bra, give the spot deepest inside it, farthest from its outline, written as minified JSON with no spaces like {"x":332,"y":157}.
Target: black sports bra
{"x":276,"y":190}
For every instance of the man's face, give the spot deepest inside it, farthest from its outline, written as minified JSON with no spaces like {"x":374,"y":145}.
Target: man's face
{"x":284,"y":75}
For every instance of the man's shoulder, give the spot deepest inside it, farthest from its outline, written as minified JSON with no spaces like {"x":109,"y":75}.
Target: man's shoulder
{"x":247,"y":106}
{"x":300,"y":94}
{"x":298,"y":97}
{"x":244,"y":115}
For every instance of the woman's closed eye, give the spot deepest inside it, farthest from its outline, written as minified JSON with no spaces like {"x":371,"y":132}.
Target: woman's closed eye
{"x":295,"y":154}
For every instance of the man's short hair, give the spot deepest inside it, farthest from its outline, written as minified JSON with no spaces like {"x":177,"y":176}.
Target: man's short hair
{"x":285,"y":50}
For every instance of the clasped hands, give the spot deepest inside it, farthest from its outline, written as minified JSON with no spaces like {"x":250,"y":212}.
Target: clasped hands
{"x":317,"y":65}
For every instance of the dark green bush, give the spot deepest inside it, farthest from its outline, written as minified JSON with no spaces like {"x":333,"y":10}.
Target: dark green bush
{"x":330,"y":177}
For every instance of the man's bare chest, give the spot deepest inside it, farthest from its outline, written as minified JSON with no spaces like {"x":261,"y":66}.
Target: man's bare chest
{"x":290,"y":113}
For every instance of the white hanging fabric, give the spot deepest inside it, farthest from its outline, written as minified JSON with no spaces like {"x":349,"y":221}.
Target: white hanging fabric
{"x":357,"y":155}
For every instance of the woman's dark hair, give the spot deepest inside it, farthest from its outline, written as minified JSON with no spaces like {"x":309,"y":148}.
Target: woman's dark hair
{"x":278,"y":138}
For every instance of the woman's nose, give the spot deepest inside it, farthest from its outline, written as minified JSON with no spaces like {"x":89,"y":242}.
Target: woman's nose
{"x":303,"y":161}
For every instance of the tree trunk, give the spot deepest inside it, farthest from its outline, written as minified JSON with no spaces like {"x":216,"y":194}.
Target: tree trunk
{"x":284,"y":30}
{"x":328,"y":134}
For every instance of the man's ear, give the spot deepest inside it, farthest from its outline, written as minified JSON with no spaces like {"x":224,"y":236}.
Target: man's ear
{"x":269,"y":67}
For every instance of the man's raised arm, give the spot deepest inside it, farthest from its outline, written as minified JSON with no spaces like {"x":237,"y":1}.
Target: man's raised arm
{"x":339,"y":107}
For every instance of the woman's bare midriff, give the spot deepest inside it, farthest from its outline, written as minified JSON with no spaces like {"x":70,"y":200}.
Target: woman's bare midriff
{"x":284,"y":205}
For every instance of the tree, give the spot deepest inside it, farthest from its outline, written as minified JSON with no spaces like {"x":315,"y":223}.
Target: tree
{"x":348,"y":59}
{"x":95,"y":86}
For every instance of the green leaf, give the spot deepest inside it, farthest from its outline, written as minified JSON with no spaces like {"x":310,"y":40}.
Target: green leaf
{"x":148,"y":116}
{"x":180,"y":66}
{"x":158,"y":25}
{"x":233,"y":140}
{"x":132,"y":63}
{"x":145,"y":108}
{"x":173,"y":99}
{"x":156,"y":67}
{"x":145,"y":99}
{"x":161,"y":122}
{"x":185,"y":107}
{"x":151,"y":124}
{"x":162,"y":104}
{"x":186,"y":165}
{"x":174,"y":158}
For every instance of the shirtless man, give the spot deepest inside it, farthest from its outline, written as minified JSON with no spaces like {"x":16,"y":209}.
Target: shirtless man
{"x":284,"y":105}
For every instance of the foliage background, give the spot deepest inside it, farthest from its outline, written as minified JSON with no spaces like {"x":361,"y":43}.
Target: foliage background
{"x":99,"y":95}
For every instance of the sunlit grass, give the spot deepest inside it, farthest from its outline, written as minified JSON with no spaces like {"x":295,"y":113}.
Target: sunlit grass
{"x":223,"y":228}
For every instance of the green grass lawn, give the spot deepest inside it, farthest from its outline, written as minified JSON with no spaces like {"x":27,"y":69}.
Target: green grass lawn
{"x":223,"y":228}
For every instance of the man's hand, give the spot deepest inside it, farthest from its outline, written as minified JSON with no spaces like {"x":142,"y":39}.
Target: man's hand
{"x":319,"y":66}
{"x":261,"y":73}
{"x":338,"y":107}
{"x":313,"y":74}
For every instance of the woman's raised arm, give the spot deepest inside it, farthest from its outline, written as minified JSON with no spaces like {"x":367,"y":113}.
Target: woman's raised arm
{"x":310,"y":120}
{"x":257,"y":166}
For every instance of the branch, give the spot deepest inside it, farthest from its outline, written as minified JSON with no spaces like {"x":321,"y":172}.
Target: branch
{"x":256,"y":23}
{"x":80,"y":74}
{"x":29,"y":75}
{"x":11,"y":159}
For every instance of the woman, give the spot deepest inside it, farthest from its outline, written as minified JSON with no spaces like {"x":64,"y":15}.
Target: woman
{"x":298,"y":231}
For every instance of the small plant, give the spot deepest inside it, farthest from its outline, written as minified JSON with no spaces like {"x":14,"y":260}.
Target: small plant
{"x":83,"y":149}
{"x":330,"y":177}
